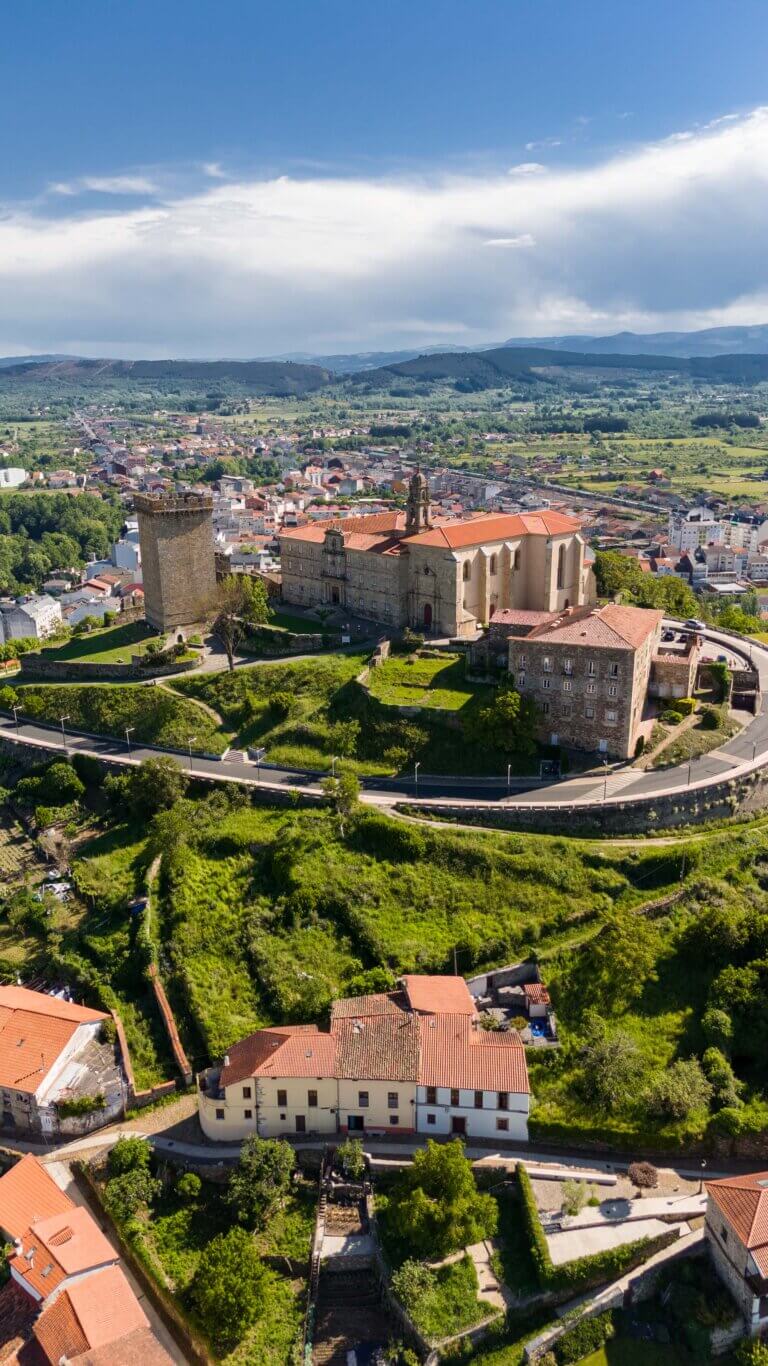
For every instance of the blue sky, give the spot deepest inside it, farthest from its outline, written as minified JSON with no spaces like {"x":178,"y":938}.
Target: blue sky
{"x":242,"y":177}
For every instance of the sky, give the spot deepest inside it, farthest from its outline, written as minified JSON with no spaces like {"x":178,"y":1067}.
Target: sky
{"x":239,"y":178}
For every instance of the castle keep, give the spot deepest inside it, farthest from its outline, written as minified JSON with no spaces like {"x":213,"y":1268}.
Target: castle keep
{"x":449,"y":577}
{"x":177,"y":557}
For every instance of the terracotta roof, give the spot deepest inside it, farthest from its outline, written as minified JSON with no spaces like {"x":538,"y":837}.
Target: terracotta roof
{"x":28,"y":1193}
{"x":744,"y":1202}
{"x":493,"y":527}
{"x":384,"y":1048}
{"x":456,"y":1053}
{"x":514,"y":616}
{"x":95,"y":1313}
{"x":290,"y":1051}
{"x":449,"y":995}
{"x":34,"y":1029}
{"x":357,"y":1007}
{"x":369,"y":524}
{"x":59,"y":1333}
{"x":610,"y":627}
{"x":140,"y":1348}
{"x":536,"y":993}
{"x":64,"y":1245}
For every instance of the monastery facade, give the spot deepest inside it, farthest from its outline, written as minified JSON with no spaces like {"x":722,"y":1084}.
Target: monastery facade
{"x":445,"y":577}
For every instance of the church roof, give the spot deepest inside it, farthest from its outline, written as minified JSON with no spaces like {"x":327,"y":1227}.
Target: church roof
{"x":491,"y":526}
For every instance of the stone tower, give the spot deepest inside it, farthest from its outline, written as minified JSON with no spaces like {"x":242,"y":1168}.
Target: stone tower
{"x":417,"y":507}
{"x":177,"y":557}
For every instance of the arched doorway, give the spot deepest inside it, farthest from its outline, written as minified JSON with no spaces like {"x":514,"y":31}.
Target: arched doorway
{"x":427,"y":615}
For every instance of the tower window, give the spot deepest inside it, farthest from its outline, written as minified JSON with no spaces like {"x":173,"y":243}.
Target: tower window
{"x":493,"y":564}
{"x":561,"y":567}
{"x":466,"y":571}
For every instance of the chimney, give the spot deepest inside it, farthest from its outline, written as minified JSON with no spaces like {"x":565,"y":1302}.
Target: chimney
{"x":226,"y":1060}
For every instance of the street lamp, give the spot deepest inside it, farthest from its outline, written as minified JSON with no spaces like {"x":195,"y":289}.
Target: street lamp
{"x":605,"y":784}
{"x":416,"y":778}
{"x":690,"y":761}
{"x":509,"y":778}
{"x":128,"y":730}
{"x":703,"y":1169}
{"x":333,"y":765}
{"x":15,"y":711}
{"x":190,"y":741}
{"x":63,"y":733}
{"x":754,"y":750}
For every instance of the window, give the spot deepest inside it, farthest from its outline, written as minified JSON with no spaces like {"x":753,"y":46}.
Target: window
{"x":392,"y":1100}
{"x":611,"y":716}
{"x":561,"y":567}
{"x":591,"y":668}
{"x":362,"y":1099}
{"x":589,"y":712}
{"x":311,"y":1099}
{"x":466,"y":571}
{"x":613,"y":670}
{"x":516,"y":560}
{"x":612,"y":691}
{"x":566,"y":709}
{"x":394,"y":1120}
{"x":521,"y":680}
{"x":246,"y":1093}
{"x":430,"y":1119}
{"x":567,"y":685}
{"x":478,"y":1100}
{"x":567,"y":666}
{"x":545,"y":709}
{"x":522,"y":661}
{"x":431,"y":1095}
{"x":547,"y":665}
{"x":503,"y":1100}
{"x":592,"y":687}
{"x":282,"y":1097}
{"x":219,"y":1114}
{"x":247,"y":1114}
{"x":455,"y":1097}
{"x":492,"y":565}
{"x":546,"y":683}
{"x":502,"y":1125}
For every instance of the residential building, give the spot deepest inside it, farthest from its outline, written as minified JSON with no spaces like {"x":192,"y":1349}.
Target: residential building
{"x":736,"y":1230}
{"x":35,"y":617}
{"x":700,"y":525}
{"x":587,"y":670}
{"x":413,"y":1060}
{"x":49,"y":1053}
{"x":67,"y":1284}
{"x":448,"y":576}
{"x":11,"y":477}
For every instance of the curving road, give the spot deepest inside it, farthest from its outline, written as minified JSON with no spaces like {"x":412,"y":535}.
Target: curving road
{"x":746,"y":751}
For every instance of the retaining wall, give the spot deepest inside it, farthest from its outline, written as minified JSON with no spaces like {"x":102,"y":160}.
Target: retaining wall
{"x":180,"y":1057}
{"x":34,"y":667}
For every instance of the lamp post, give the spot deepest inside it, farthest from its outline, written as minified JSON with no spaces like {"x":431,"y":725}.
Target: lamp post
{"x":63,"y":733}
{"x":690,"y":761}
{"x":333,"y":765}
{"x":509,"y":778}
{"x":754,"y":750}
{"x":416,"y":778}
{"x":605,"y":784}
{"x":128,"y":730}
{"x":190,"y":742}
{"x":703,"y":1169}
{"x":15,"y":711}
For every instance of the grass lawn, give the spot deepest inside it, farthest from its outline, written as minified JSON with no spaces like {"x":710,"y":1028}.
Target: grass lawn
{"x":301,"y":626}
{"x":694,"y":741}
{"x":513,"y":1262}
{"x":110,"y":646}
{"x":424,"y":681}
{"x":453,"y":1303}
{"x":158,"y":716}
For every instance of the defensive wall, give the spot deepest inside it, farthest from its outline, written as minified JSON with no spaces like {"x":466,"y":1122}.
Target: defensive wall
{"x":35,"y":667}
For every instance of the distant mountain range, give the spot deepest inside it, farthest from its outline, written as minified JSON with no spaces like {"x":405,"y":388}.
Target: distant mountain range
{"x":723,"y":354}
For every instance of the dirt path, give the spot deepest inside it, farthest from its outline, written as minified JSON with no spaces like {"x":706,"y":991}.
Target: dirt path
{"x":648,"y":757}
{"x":214,"y":715}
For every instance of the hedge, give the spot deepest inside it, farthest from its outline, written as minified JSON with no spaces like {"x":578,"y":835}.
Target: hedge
{"x":584,"y":1272}
{"x":585,"y":1337}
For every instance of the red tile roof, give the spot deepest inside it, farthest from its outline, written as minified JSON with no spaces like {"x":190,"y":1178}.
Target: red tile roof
{"x":456,"y":1052}
{"x":34,"y":1030}
{"x":494,"y":527}
{"x":449,"y":995}
{"x":28,"y":1193}
{"x":290,"y":1051}
{"x":93,"y":1313}
{"x":384,"y":1048}
{"x":536,"y":993}
{"x":64,"y":1245}
{"x":611,"y":627}
{"x":358,"y":1007}
{"x":744,"y":1202}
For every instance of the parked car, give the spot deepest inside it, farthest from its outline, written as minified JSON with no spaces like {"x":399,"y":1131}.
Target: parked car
{"x":722,"y":659}
{"x":668,"y":635}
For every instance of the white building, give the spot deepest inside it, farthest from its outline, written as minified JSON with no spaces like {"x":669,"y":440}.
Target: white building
{"x":33,"y":617}
{"x":700,"y":527}
{"x":11,"y":478}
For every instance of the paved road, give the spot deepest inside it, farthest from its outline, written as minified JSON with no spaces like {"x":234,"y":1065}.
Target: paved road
{"x":746,"y":750}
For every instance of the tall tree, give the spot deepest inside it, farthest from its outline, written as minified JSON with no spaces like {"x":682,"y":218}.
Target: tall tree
{"x":241,"y":603}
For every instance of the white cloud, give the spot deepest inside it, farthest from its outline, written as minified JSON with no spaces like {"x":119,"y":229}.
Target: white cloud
{"x":666,"y":235}
{"x":214,"y":170}
{"x":523,"y":239}
{"x":527,"y":168}
{"x":543,"y":142}
{"x":114,"y":184}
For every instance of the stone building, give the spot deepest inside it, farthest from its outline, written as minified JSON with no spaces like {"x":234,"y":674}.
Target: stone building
{"x":588,"y":671}
{"x":446,"y":577}
{"x":177,"y":557}
{"x":736,"y":1230}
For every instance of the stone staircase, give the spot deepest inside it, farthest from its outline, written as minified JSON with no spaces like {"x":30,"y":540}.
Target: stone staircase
{"x":348,"y":1314}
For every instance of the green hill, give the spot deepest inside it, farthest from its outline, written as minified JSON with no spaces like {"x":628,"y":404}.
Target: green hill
{"x":282,"y":378}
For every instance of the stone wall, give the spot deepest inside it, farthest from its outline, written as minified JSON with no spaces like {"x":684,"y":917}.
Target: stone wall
{"x":180,"y":1057}
{"x":36,"y":666}
{"x":177,"y":558}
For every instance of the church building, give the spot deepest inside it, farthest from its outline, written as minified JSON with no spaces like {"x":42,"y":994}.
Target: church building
{"x":444,"y":577}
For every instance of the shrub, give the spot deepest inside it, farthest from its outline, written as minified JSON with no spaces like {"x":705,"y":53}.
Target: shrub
{"x":671,"y":717}
{"x":585,"y":1337}
{"x":227,"y":1290}
{"x":752,"y":1354}
{"x":640,"y":746}
{"x":351,"y":1158}
{"x":80,"y":1105}
{"x":643,"y":1175}
{"x":281,"y":704}
{"x":260,"y":1181}
{"x":575,"y":1196}
{"x":685,"y":705}
{"x":411,"y":1282}
{"x":125,"y":1195}
{"x":129,"y":1155}
{"x":435,"y":1206}
{"x":108,"y":1031}
{"x":717,"y":1027}
{"x":680,"y":1090}
{"x":722,"y":1078}
{"x":188,"y":1187}
{"x":711,"y":719}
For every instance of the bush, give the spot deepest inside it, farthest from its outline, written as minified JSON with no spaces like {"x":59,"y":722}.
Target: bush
{"x":643,"y":1175}
{"x":722,"y":1078}
{"x":640,"y":746}
{"x":80,"y":1105}
{"x":435,"y":1206}
{"x":227,"y":1290}
{"x":259,"y":1184}
{"x":575,"y":1196}
{"x":685,"y":705}
{"x":752,"y":1354}
{"x":680,"y":1090}
{"x":351,"y":1158}
{"x":585,"y":1337}
{"x":188,"y":1187}
{"x":411,"y":1282}
{"x":129,"y":1155}
{"x":671,"y":717}
{"x":711,"y":719}
{"x":108,"y":1031}
{"x":125,"y":1195}
{"x":717,"y":1027}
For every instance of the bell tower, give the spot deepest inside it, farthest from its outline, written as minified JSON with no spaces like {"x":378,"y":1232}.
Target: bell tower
{"x":417,"y":507}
